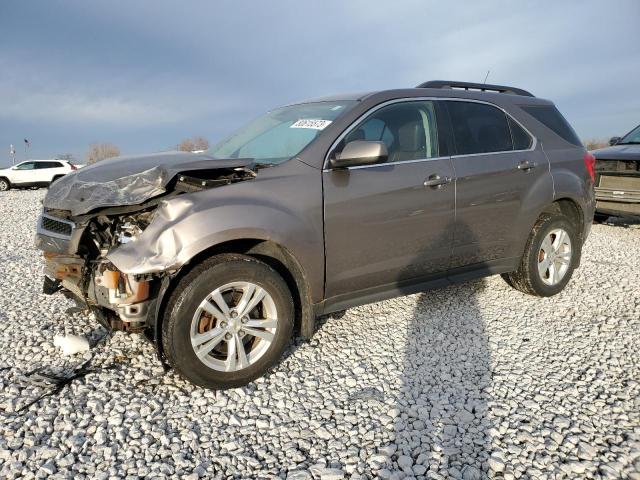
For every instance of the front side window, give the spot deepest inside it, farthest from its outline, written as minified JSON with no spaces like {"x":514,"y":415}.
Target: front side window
{"x":25,"y":166}
{"x":282,"y":133}
{"x":408,"y":130}
{"x":479,"y":128}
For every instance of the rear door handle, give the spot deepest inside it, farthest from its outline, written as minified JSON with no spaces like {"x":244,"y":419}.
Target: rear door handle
{"x":526,"y":165}
{"x":436,"y":181}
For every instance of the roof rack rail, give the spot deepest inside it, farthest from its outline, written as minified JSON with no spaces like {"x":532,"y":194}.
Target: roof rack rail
{"x":485,"y":87}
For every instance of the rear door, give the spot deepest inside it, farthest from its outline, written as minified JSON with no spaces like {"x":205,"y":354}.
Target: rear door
{"x":45,"y":171}
{"x":496,"y":164}
{"x":383,"y":225}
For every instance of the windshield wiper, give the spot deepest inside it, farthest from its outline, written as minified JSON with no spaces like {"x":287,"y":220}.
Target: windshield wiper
{"x":628,"y":143}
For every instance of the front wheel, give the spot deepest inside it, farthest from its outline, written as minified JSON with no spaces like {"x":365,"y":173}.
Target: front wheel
{"x":551,"y":255}
{"x":227,"y":322}
{"x":4,"y":185}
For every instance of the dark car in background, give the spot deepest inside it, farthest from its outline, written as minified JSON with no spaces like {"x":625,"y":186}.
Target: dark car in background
{"x":618,"y":177}
{"x":316,"y":207}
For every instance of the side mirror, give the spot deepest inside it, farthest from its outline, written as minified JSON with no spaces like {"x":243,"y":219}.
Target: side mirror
{"x":614,"y":140}
{"x":360,"y":152}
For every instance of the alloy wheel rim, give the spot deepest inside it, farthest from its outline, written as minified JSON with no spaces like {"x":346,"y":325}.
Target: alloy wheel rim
{"x":554,"y":256}
{"x":234,"y":326}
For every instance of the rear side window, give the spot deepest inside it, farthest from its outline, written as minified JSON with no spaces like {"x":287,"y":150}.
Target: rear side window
{"x":521,"y":139}
{"x":42,"y":165}
{"x":551,"y":117}
{"x":479,"y":128}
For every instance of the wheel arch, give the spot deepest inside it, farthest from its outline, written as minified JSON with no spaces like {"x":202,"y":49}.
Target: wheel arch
{"x":566,"y":206}
{"x":569,"y":208}
{"x":273,"y":254}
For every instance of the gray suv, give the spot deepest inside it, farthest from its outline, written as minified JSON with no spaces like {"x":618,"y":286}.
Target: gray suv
{"x":316,"y":207}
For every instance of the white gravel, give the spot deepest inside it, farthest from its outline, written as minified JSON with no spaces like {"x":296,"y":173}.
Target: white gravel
{"x":471,"y":381}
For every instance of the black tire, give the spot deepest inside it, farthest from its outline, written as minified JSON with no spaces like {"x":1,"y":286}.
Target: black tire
{"x":600,"y":217}
{"x":526,"y":278}
{"x":4,"y":185}
{"x":197,"y":285}
{"x":54,"y":179}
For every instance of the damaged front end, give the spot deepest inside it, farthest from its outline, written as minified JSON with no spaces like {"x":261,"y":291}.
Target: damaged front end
{"x":79,"y":245}
{"x":76,"y":264}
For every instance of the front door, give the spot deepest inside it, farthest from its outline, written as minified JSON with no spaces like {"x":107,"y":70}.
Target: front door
{"x":24,"y":173}
{"x":383,"y":225}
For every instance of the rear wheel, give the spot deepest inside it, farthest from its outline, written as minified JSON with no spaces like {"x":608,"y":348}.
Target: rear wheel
{"x":54,"y":179}
{"x":550,"y":257}
{"x":4,"y":185}
{"x":228,"y":321}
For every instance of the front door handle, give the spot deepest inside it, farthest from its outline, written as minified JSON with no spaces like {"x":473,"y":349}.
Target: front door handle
{"x":436,"y":181}
{"x":526,"y":165}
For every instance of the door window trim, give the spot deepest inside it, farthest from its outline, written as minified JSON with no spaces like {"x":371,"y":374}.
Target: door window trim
{"x":356,"y":122}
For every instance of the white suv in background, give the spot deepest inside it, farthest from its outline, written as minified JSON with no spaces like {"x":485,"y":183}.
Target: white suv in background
{"x":34,"y":173}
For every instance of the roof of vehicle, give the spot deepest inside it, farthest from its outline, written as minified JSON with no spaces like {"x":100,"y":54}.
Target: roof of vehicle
{"x":44,"y":160}
{"x":446,"y":89}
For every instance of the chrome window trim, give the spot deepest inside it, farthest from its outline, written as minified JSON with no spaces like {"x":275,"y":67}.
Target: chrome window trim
{"x":43,"y":231}
{"x":355,"y":123}
{"x":400,"y":162}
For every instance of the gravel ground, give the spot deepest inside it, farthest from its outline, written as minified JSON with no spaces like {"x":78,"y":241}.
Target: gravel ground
{"x":471,"y":381}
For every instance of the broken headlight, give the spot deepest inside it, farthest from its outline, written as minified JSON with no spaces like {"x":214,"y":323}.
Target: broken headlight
{"x":130,"y":227}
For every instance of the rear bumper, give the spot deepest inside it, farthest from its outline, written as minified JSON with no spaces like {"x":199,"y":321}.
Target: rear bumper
{"x":618,"y":193}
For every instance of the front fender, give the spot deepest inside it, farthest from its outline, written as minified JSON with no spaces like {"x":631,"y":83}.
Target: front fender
{"x":187,"y":225}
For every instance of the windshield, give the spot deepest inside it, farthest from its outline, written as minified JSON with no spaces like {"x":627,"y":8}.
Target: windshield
{"x":632,"y":137}
{"x":282,"y":133}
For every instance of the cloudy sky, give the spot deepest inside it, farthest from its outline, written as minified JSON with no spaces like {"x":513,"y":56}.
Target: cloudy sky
{"x":144,"y":74}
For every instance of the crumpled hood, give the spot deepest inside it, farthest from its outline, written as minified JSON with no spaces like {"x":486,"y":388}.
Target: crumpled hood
{"x":618,"y":152}
{"x":127,"y":180}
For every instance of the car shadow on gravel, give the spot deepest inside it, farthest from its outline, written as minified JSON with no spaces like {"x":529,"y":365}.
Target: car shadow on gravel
{"x":443,"y":421}
{"x":442,"y":427}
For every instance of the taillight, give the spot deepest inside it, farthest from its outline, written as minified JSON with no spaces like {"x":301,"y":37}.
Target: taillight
{"x":73,"y":167}
{"x":590,"y":163}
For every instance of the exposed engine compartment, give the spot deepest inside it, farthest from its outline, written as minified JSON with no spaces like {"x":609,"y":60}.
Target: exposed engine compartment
{"x":79,"y":265}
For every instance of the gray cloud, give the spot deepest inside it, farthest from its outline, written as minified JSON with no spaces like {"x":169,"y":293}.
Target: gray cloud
{"x":143,"y":74}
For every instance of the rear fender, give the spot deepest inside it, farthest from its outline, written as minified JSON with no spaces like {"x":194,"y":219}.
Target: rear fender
{"x":536,"y":199}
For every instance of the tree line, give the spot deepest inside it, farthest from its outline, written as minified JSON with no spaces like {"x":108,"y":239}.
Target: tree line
{"x":102,"y":151}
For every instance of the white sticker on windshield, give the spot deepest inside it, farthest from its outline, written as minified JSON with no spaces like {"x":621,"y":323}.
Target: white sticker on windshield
{"x":311,"y":123}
